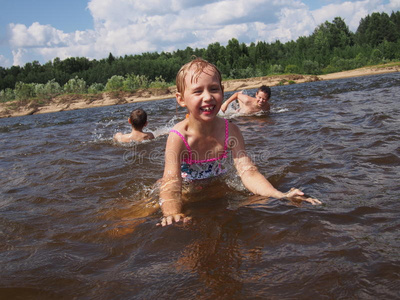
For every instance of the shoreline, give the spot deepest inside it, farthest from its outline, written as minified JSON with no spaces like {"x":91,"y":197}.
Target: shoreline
{"x":73,"y":102}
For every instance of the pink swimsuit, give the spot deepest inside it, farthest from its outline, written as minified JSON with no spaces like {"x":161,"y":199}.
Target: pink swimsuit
{"x":201,"y":169}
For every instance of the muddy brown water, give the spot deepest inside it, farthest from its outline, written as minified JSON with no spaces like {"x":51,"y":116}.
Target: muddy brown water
{"x":73,"y":223}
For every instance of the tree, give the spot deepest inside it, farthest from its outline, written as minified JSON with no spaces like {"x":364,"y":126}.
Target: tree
{"x":24,"y":91}
{"x":340,"y":35}
{"x":376,"y":28}
{"x":395,"y":18}
{"x":213,"y":53}
{"x":115,"y":83}
{"x":75,"y":85}
{"x":327,"y":37}
{"x":110,"y":58}
{"x":261,"y":53}
{"x":232,"y":52}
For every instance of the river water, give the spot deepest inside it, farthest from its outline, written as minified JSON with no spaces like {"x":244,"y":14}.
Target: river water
{"x":74,"y":222}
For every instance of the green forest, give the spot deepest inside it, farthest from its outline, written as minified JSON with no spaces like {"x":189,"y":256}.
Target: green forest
{"x":332,"y":47}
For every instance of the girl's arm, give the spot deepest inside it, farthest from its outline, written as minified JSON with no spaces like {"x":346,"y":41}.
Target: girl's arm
{"x":171,"y":183}
{"x":252,"y":179}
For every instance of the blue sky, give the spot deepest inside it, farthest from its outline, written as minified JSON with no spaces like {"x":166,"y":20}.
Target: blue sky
{"x":44,"y":29}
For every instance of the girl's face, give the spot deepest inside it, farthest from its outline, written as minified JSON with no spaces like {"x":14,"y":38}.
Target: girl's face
{"x":203,"y":95}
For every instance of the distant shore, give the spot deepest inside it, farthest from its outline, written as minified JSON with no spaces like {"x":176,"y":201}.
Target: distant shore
{"x":71,"y":102}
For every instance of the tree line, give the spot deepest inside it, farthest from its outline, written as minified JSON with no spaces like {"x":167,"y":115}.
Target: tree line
{"x":332,"y":47}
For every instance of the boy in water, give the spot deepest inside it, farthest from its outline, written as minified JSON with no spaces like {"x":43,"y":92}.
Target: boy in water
{"x":138,"y":120}
{"x":250,"y":105}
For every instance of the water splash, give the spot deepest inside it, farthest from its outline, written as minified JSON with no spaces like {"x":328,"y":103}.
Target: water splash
{"x":164,"y":129}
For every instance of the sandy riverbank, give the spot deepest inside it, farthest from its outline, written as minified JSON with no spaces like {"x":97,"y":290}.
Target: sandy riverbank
{"x":71,"y":102}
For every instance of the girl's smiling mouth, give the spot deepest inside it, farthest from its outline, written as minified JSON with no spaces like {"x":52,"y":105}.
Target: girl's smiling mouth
{"x":209,"y":108}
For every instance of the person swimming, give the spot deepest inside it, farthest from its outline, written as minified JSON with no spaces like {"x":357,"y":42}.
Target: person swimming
{"x":250,"y":105}
{"x":138,"y":120}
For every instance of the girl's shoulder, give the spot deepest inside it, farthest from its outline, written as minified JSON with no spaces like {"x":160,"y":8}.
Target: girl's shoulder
{"x":180,"y":127}
{"x":233,"y":128}
{"x":177,"y":136}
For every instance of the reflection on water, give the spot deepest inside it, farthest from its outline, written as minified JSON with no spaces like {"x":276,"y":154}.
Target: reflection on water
{"x":78,"y":212}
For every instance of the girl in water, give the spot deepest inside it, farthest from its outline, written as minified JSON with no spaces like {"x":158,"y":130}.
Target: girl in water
{"x":197,"y":146}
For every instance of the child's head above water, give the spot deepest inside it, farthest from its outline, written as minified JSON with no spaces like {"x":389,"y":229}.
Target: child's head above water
{"x":265,"y":89}
{"x":138,"y":118}
{"x":200,"y":89}
{"x":198,"y":66}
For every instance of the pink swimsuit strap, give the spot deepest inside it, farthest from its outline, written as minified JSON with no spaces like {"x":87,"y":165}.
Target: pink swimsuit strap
{"x":192,"y":161}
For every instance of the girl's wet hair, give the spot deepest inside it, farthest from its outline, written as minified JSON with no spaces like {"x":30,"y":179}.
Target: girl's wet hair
{"x":199,"y":66}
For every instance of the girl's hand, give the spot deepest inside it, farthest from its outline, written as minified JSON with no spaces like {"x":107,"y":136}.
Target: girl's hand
{"x":296,"y":194}
{"x":168,"y":220}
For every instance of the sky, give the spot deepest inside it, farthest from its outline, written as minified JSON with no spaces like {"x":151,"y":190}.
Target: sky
{"x":45,"y":29}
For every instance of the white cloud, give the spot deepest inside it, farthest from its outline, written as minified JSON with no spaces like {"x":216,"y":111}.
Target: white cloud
{"x":35,"y":36}
{"x":393,"y":5}
{"x":19,"y":56}
{"x":292,"y":24}
{"x":133,"y":27}
{"x":46,"y":42}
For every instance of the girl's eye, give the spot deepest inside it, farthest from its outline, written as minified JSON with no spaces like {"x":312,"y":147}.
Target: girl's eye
{"x":215,"y":88}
